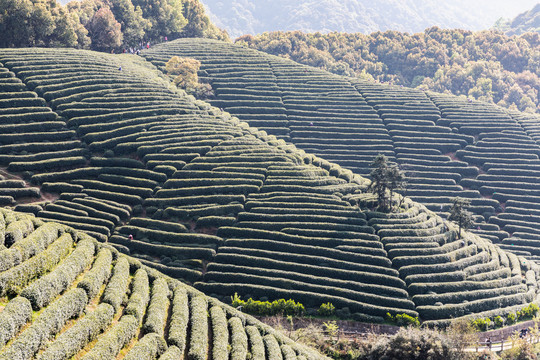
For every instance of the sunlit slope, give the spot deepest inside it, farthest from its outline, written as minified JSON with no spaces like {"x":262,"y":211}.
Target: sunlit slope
{"x":448,"y":146}
{"x":214,"y":202}
{"x":65,"y":295}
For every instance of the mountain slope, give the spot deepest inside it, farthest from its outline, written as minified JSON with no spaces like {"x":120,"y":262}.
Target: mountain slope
{"x":528,"y":21}
{"x":255,"y":17}
{"x":65,"y":298}
{"x":448,"y":146}
{"x":111,"y":148}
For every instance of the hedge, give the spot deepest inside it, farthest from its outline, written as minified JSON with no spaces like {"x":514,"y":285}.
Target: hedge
{"x":288,"y":352}
{"x":102,"y":209}
{"x":305,"y":237}
{"x":110,"y":344}
{"x":87,"y":220}
{"x":467,"y":296}
{"x":80,"y":334}
{"x":443,"y":287}
{"x":98,"y":274}
{"x":172,"y":353}
{"x":239,"y":340}
{"x":196,"y":251}
{"x":179,"y":319}
{"x":190,"y":200}
{"x":256,"y":344}
{"x":128,"y":180}
{"x":206,"y":210}
{"x":333,"y":259}
{"x":273,"y":351}
{"x":309,"y":299}
{"x":42,"y":291}
{"x":220,"y":334}
{"x":216,"y":269}
{"x":13,"y":317}
{"x":17,"y":231}
{"x":139,"y":297}
{"x":322,"y":252}
{"x":367,"y":297}
{"x":163,"y":226}
{"x":198,"y":337}
{"x":476,"y":306}
{"x":48,"y":323}
{"x":118,"y":284}
{"x":148,"y":348}
{"x":19,"y":276}
{"x":156,"y":315}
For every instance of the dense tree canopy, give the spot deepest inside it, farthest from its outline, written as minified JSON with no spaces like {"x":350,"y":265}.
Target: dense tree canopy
{"x":486,"y":65}
{"x":101,"y":24}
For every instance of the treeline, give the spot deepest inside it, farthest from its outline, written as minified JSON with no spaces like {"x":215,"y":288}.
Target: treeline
{"x":485,"y":65}
{"x":524,"y":22}
{"x":102,"y":25}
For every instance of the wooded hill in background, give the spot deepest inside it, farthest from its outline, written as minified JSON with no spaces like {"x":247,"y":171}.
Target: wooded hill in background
{"x":525,"y":22}
{"x":485,"y":65}
{"x":240,"y":17}
{"x":103,"y":25}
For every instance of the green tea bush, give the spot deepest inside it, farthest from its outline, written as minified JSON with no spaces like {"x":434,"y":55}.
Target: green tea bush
{"x":267,"y":308}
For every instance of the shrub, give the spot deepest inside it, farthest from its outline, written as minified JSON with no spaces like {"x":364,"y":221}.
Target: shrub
{"x":13,"y":317}
{"x":19,"y":276}
{"x":198,"y":339}
{"x":179,"y":319}
{"x":326,"y":309}
{"x":46,"y":288}
{"x":48,"y":323}
{"x":138,"y":300}
{"x":267,"y":308}
{"x":239,"y":341}
{"x":156,"y":314}
{"x":273,"y":351}
{"x":108,"y":345}
{"x":403,"y":320}
{"x":256,"y":344}
{"x":118,"y":284}
{"x":76,"y":337}
{"x":100,"y":272}
{"x":220,"y":333}
{"x":150,"y":347}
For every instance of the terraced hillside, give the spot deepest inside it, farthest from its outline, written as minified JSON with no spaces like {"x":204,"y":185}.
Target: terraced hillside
{"x":64,"y":295}
{"x":446,"y":145}
{"x":105,"y":144}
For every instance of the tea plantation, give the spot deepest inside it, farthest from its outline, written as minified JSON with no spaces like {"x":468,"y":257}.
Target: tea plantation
{"x":106,"y":145}
{"x":448,"y":146}
{"x":64,"y":295}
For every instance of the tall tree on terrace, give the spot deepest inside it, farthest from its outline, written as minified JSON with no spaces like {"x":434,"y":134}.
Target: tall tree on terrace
{"x":458,"y":214}
{"x":385,"y":180}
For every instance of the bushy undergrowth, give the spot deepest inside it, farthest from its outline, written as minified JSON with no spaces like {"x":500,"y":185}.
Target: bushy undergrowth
{"x":267,"y":308}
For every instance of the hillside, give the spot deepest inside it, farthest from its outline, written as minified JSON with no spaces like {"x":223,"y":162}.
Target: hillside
{"x":529,"y":21}
{"x":484,"y":65}
{"x":448,"y":146}
{"x":65,"y":295}
{"x":105,"y":144}
{"x":255,"y":17}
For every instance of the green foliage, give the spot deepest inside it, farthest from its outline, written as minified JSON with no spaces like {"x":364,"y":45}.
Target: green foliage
{"x":403,"y":320}
{"x":460,"y":215}
{"x":156,"y":314}
{"x":239,"y":340}
{"x":114,"y":340}
{"x":102,"y":24}
{"x":482,"y":324}
{"x":179,"y":319}
{"x":484,"y":65}
{"x":385,"y":180}
{"x":77,"y":336}
{"x":198,"y":312}
{"x":326,"y":309}
{"x":48,"y":323}
{"x":266,"y":308}
{"x":13,"y":317}
{"x":184,"y":70}
{"x":151,"y":346}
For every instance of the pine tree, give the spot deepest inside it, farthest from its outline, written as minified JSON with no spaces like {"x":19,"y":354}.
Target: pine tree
{"x":459,"y":215}
{"x":385,"y":180}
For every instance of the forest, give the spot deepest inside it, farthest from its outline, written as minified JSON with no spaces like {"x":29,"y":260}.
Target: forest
{"x":485,"y":65}
{"x":102,"y":25}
